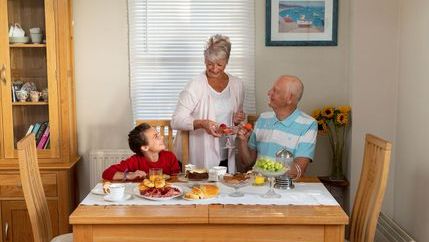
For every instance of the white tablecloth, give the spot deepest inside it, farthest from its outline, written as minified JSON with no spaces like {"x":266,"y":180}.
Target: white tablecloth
{"x":303,"y":194}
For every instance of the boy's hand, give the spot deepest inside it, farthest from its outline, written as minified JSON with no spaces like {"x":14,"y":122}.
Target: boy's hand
{"x":135,"y":175}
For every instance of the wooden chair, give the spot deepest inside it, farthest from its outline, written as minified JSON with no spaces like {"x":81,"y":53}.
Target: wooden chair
{"x":34,"y":194}
{"x":370,"y":193}
{"x":164,"y":128}
{"x":252,"y":119}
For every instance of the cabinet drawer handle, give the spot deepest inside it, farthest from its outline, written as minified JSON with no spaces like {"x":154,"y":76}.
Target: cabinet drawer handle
{"x":3,"y":73}
{"x":6,"y":230}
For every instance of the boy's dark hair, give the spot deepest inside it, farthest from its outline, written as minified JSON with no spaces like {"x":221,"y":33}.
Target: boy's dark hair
{"x":137,"y":138}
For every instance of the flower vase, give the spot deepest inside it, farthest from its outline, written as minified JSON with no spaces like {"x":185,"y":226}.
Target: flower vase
{"x":337,"y":168}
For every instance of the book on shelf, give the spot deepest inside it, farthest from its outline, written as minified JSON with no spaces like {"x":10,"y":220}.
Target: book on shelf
{"x":29,"y":130}
{"x":47,"y":145}
{"x":40,"y":132}
{"x":44,"y":139}
{"x":35,"y":128}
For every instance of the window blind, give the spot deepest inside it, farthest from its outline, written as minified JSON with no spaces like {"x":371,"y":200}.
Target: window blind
{"x":166,"y":44}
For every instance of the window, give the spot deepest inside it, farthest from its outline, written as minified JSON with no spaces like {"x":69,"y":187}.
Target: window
{"x":167,"y":40}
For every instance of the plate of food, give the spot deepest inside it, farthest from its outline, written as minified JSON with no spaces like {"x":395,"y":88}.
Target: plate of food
{"x":159,"y":194}
{"x":157,"y":190}
{"x":202,"y":191}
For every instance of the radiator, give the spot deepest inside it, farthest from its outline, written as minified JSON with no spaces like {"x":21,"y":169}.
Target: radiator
{"x":101,"y":159}
{"x":389,"y":231}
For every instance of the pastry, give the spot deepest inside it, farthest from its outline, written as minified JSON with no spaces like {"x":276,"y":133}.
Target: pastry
{"x":106,"y":187}
{"x":202,"y":192}
{"x":148,"y":183}
{"x":159,"y":183}
{"x":197,"y":174}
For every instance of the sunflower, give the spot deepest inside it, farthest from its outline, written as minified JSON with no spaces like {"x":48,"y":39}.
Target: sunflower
{"x":328,"y":112}
{"x":316,"y":114}
{"x":342,"y":119}
{"x":322,"y":126}
{"x":344,"y":109}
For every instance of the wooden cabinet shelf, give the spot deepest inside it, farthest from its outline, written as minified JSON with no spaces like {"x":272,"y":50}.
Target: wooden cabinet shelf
{"x":27,"y":45}
{"x":29,"y":103}
{"x":48,"y":68}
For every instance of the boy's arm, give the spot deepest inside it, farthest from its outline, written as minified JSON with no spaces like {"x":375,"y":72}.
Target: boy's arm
{"x":116,"y":171}
{"x":174,"y":164}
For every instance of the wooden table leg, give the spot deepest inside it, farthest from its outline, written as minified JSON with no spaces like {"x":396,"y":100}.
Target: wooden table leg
{"x":334,"y":233}
{"x":82,"y":233}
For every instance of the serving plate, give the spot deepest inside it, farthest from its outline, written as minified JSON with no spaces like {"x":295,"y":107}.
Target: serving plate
{"x":136,"y":192}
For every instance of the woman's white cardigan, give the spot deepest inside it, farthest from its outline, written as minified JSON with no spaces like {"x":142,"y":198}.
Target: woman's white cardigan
{"x":195,"y":102}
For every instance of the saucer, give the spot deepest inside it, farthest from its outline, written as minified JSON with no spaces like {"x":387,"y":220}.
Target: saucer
{"x":125,"y":197}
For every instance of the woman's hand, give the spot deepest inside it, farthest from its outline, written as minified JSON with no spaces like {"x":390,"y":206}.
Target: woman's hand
{"x":135,"y":175}
{"x":209,"y":126}
{"x":238,"y":117}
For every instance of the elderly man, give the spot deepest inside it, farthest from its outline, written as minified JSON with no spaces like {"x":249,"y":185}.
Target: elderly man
{"x":286,"y":126}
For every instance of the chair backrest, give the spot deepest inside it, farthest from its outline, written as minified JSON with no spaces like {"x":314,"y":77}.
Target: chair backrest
{"x":370,"y":193}
{"x":32,"y":187}
{"x":252,"y":119}
{"x":164,"y":128}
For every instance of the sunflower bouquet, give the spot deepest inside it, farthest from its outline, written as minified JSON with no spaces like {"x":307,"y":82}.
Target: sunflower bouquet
{"x":334,"y":122}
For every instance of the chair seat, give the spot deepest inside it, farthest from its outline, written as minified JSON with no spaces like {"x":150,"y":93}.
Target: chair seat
{"x":63,"y":238}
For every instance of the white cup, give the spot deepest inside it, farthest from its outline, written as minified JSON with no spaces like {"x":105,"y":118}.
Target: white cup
{"x":117,"y":191}
{"x":36,"y":38}
{"x":220,"y":170}
{"x":35,"y":30}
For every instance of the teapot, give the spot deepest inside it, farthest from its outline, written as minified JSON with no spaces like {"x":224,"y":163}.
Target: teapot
{"x":16,"y":31}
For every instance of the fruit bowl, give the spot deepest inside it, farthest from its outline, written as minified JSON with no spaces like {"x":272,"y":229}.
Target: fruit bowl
{"x":270,"y":169}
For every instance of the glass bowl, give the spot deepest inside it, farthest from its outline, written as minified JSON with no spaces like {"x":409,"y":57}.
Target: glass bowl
{"x":236,"y":181}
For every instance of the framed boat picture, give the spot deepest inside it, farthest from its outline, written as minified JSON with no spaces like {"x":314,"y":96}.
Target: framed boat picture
{"x":301,"y":22}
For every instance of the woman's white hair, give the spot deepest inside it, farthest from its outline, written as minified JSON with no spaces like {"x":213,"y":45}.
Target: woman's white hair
{"x":218,"y":48}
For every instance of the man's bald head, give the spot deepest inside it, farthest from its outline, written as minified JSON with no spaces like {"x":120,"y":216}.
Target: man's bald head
{"x":293,"y":85}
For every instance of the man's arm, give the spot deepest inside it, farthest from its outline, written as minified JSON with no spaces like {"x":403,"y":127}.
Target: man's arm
{"x":248,"y":155}
{"x":299,"y":168}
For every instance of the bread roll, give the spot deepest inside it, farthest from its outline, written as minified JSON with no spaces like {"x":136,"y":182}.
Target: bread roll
{"x":210,"y":190}
{"x":159,"y":183}
{"x":148,"y":183}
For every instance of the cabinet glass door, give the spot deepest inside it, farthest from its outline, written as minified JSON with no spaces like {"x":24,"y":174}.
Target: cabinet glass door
{"x":29,"y":83}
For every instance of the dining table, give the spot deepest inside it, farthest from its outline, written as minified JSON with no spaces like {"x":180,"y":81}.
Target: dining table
{"x":307,"y":213}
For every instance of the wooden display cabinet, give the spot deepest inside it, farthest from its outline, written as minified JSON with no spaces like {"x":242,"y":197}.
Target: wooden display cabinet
{"x":46,"y":65}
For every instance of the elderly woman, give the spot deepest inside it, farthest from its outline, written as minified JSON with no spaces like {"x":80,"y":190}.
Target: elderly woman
{"x":211,"y":98}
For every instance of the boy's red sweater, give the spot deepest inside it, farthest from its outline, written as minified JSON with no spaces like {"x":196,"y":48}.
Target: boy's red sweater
{"x":167,"y":161}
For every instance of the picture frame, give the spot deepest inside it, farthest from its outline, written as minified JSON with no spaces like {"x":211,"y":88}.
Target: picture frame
{"x":301,"y":23}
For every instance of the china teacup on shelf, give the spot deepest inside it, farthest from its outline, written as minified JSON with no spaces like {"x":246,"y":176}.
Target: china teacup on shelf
{"x":22,"y":95}
{"x":35,"y":96}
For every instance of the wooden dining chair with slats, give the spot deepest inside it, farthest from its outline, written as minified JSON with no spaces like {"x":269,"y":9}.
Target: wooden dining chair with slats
{"x":34,"y":194}
{"x":370,"y":192}
{"x":252,"y":119}
{"x":164,"y":128}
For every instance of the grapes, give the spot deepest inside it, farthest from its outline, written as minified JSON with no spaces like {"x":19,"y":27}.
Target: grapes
{"x":269,"y":165}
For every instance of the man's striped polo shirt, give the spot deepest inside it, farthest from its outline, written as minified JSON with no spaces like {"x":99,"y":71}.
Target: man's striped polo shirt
{"x":297,"y":133}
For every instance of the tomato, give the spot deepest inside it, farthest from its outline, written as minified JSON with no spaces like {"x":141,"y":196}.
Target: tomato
{"x":248,"y":126}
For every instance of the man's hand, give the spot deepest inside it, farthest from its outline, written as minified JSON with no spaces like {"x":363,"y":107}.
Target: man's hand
{"x":298,"y":169}
{"x":244,"y":133}
{"x":209,"y":126}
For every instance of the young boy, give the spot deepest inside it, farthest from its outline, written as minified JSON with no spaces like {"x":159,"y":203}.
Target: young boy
{"x":149,"y":147}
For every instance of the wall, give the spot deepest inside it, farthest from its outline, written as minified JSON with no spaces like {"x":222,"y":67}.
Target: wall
{"x":373,"y":77}
{"x":101,"y":57}
{"x":323,"y":71}
{"x":104,"y":115}
{"x":411,"y":176}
